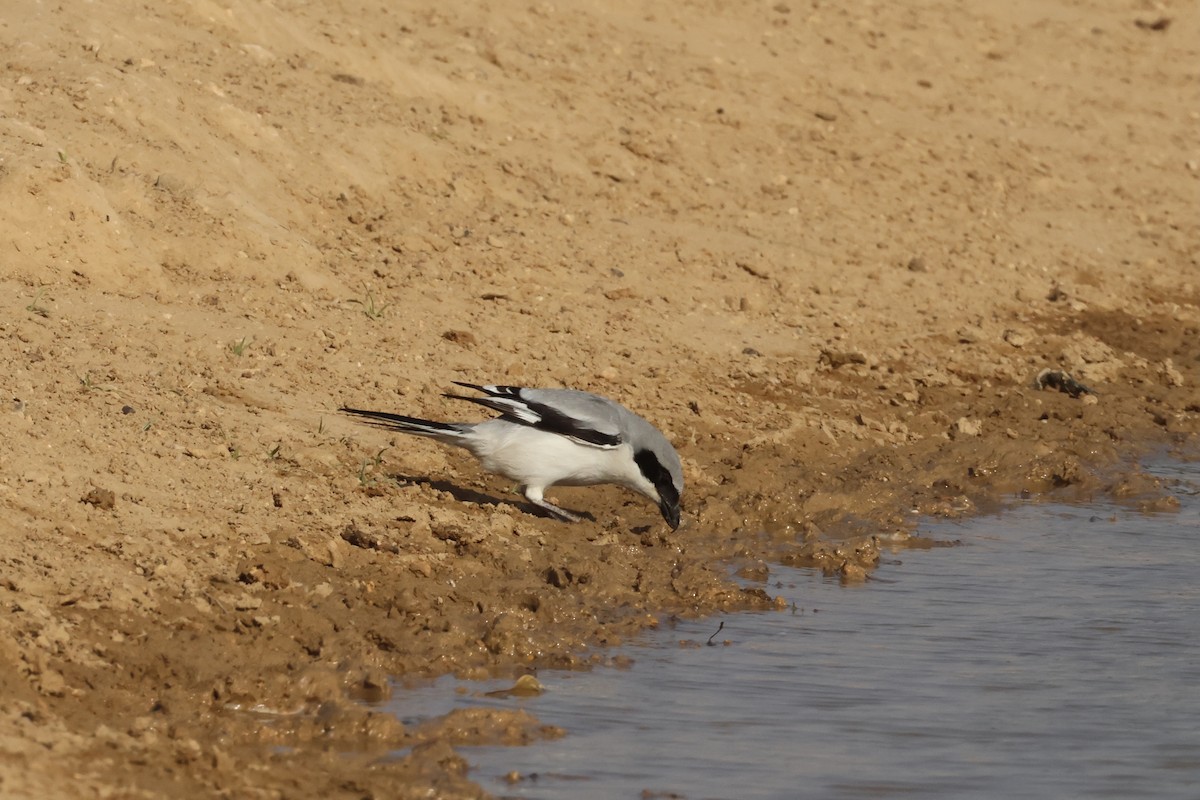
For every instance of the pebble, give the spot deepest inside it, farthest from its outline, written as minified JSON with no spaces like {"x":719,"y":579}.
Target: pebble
{"x":967,"y":427}
{"x":247,"y":603}
{"x":969,"y":334}
{"x":839,"y":358}
{"x":171,"y":184}
{"x":463,"y":338}
{"x":1016,"y":338}
{"x":1170,"y":375}
{"x":52,"y":683}
{"x":100,"y":498}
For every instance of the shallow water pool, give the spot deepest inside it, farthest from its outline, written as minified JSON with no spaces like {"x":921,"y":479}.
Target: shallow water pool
{"x":1055,"y":654}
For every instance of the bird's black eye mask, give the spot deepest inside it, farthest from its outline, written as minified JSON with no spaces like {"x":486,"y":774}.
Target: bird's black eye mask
{"x":658,"y":475}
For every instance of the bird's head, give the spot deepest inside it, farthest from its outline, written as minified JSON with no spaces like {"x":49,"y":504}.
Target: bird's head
{"x":660,"y":466}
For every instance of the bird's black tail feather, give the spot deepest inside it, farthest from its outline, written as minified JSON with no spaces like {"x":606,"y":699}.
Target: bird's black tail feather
{"x":446,"y":431}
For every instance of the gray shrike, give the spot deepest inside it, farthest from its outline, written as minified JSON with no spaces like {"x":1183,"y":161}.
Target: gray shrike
{"x":546,"y":437}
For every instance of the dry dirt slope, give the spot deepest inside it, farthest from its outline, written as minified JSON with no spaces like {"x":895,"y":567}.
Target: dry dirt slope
{"x":825,"y":248}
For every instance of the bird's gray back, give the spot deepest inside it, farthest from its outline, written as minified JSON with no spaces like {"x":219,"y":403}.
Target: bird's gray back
{"x":599,"y":413}
{"x":613,"y":418}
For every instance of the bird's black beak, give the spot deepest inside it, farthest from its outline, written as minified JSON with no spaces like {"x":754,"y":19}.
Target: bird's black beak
{"x":670,"y":512}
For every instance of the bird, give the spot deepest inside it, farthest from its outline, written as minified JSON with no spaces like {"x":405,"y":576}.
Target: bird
{"x":552,"y":437}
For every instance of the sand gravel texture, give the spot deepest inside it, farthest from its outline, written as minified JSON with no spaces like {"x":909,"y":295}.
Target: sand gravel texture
{"x":825,"y":247}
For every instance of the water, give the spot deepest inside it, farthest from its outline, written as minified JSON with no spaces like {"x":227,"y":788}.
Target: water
{"x":1056,"y":654}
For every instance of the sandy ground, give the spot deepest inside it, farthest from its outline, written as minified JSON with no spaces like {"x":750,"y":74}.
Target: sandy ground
{"x":826,"y":248}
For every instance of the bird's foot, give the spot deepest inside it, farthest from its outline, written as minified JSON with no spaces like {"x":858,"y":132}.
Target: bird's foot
{"x":535,"y":496}
{"x":555,"y":511}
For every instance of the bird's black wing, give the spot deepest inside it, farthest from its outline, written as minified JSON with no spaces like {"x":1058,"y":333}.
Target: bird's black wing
{"x":584,"y":417}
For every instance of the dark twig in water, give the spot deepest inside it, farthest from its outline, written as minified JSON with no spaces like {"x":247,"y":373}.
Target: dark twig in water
{"x":718,"y":630}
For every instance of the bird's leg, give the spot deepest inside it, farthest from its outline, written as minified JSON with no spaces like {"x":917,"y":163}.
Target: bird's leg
{"x":534,"y":495}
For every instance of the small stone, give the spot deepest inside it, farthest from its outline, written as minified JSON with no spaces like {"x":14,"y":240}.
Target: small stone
{"x":1016,"y":338}
{"x":100,"y":498}
{"x":335,"y":554}
{"x":140,"y":725}
{"x":53,"y":683}
{"x":462,"y":338}
{"x":527,"y":686}
{"x":170,"y":184}
{"x":754,"y":572}
{"x":967,"y":427}
{"x":1169,"y":374}
{"x":850,"y":572}
{"x":969,"y":334}
{"x":839,"y":358}
{"x":868,"y":422}
{"x":412,"y":243}
{"x":247,"y":603}
{"x":1158,"y":24}
{"x":420,"y":567}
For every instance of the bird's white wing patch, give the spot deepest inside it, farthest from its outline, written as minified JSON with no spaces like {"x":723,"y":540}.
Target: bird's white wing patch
{"x":516,"y":408}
